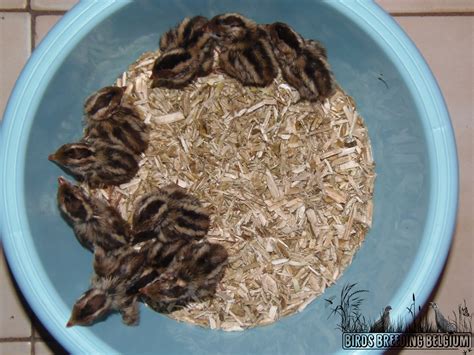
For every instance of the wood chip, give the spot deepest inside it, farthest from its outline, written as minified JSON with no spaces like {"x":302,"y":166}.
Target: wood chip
{"x":279,"y":261}
{"x":272,"y":186}
{"x":313,"y":221}
{"x":169,"y":118}
{"x":338,"y":196}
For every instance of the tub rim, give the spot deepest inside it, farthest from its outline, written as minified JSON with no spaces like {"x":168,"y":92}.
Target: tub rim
{"x":75,"y":24}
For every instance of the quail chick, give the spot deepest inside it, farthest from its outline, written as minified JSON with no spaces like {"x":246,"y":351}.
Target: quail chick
{"x":111,"y":120}
{"x":98,"y":163}
{"x":115,"y":271}
{"x":231,"y":28}
{"x":95,"y":223}
{"x":169,"y":214}
{"x":174,"y":69}
{"x":103,"y":103}
{"x":188,"y":53}
{"x":318,"y":80}
{"x":107,"y":294}
{"x":310,"y":75}
{"x":120,"y":274}
{"x":303,"y":63}
{"x":158,"y":257}
{"x":194,"y":273}
{"x":130,"y":261}
{"x":126,"y":261}
{"x":246,"y":52}
{"x":184,"y":34}
{"x":93,"y":305}
{"x":287,"y":44}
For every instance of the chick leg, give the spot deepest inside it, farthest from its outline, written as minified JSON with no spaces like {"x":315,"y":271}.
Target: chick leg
{"x":130,"y":312}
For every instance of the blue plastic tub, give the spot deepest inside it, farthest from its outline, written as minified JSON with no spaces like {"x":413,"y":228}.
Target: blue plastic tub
{"x":415,"y":195}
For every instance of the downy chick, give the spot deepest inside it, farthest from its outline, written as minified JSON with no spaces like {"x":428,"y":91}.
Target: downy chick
{"x":188,"y":53}
{"x":303,"y":63}
{"x":98,"y":163}
{"x":106,"y":294}
{"x":95,"y":223}
{"x":121,"y":273}
{"x":194,"y":273}
{"x":158,"y":257}
{"x":316,"y":79}
{"x":115,"y":273}
{"x":168,"y":214}
{"x":125,"y":262}
{"x":246,"y":52}
{"x":103,"y":103}
{"x":109,"y":119}
{"x":183,"y":34}
{"x":287,"y":44}
{"x":130,"y":261}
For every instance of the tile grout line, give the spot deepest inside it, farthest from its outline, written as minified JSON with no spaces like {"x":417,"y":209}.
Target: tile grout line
{"x":32,"y":26}
{"x":15,"y":340}
{"x":36,"y":12}
{"x":433,"y":14}
{"x":32,"y":340}
{"x":33,"y":32}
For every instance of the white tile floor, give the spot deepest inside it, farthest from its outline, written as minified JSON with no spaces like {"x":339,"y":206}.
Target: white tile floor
{"x":13,"y":322}
{"x":42,"y":349}
{"x":13,"y":348}
{"x":445,"y":41}
{"x":13,"y":4}
{"x":424,"y":6}
{"x":15,"y":38}
{"x":43,"y":24}
{"x":58,"y":5}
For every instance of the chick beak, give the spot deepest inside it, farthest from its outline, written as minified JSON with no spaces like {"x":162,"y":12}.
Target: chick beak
{"x":70,"y":323}
{"x":52,"y":157}
{"x":62,"y":181}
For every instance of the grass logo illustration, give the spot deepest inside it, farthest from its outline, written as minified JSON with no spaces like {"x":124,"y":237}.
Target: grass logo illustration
{"x":414,"y":332}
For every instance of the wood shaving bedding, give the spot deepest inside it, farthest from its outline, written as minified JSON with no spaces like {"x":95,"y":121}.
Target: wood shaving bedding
{"x":289,"y":185}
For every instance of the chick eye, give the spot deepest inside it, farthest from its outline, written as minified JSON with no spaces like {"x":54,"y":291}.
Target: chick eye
{"x":93,"y":305}
{"x":175,"y":291}
{"x":233,"y":22}
{"x":74,"y":206}
{"x":74,"y":203}
{"x":68,"y":197}
{"x":77,"y":153}
{"x":109,"y":96}
{"x":102,"y":101}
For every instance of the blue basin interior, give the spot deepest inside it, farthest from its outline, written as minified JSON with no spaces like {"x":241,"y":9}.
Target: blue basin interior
{"x":387,"y":263}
